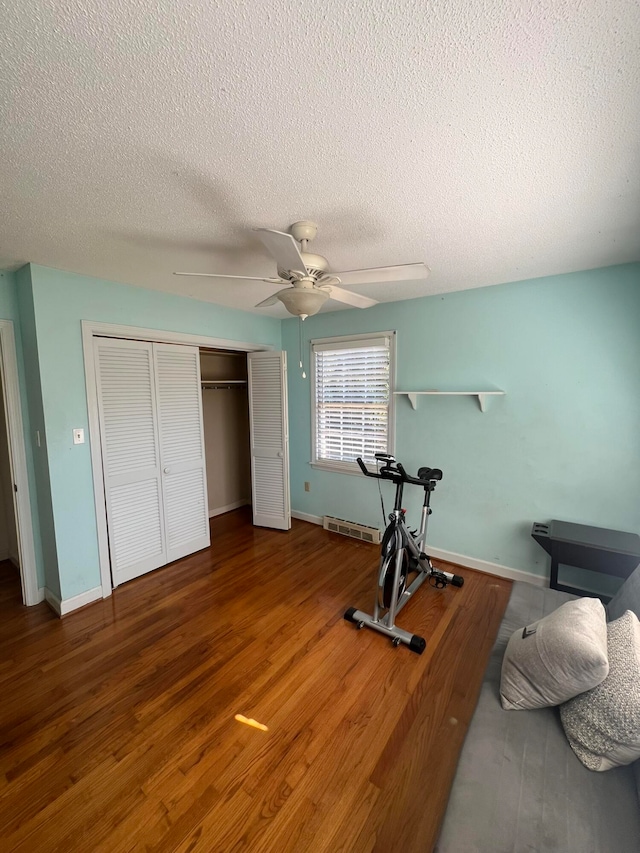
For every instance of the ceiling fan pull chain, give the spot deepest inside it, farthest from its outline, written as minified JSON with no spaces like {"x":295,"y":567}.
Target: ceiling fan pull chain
{"x":304,"y":375}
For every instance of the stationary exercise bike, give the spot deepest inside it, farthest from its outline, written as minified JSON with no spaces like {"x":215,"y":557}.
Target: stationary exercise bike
{"x":401,"y":555}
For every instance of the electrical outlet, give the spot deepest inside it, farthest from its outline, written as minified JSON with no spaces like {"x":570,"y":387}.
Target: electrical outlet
{"x":307,"y":486}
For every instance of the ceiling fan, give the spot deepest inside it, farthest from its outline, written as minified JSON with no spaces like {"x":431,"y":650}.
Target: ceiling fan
{"x":307,"y":275}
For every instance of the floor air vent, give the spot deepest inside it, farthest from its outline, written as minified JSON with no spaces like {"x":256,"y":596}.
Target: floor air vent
{"x":352,"y":529}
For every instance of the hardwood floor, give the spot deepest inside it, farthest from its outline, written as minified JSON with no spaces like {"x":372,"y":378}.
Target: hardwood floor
{"x":117,"y":722}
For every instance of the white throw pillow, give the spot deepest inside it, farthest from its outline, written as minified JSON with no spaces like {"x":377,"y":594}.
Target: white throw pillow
{"x":603,"y":725}
{"x":556,"y":658}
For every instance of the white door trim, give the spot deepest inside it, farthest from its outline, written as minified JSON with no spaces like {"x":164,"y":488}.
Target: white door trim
{"x":31,"y":594}
{"x":90,"y":329}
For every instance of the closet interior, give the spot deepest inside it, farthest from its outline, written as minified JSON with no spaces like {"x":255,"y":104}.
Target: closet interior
{"x":225,"y":415}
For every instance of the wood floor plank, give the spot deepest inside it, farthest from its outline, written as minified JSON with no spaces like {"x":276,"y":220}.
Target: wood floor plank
{"x":424,"y":765}
{"x":117,"y":729}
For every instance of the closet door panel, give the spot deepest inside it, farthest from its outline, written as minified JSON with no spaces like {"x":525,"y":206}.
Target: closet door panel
{"x":268,"y":423}
{"x":137,"y":545}
{"x":186,"y":514}
{"x":186,"y":510}
{"x":130,"y":456}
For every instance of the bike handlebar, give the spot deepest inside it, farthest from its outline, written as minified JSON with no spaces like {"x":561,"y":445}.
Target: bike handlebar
{"x":398,"y":475}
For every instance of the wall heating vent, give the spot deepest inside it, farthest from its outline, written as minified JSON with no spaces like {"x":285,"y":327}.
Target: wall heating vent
{"x":352,"y":528}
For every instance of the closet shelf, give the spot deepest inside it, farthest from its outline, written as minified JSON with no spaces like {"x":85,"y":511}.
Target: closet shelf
{"x":222,"y":383}
{"x":481,"y":395}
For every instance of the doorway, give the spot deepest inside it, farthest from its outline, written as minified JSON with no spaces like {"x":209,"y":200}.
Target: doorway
{"x":15,"y":503}
{"x":8,"y":525}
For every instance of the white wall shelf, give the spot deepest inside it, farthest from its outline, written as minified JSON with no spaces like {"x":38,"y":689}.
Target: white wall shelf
{"x":481,"y":395}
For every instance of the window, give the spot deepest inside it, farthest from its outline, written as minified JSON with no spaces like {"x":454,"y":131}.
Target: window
{"x":351,"y":399}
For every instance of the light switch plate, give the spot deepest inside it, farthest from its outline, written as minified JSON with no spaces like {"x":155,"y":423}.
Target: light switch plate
{"x":78,"y":436}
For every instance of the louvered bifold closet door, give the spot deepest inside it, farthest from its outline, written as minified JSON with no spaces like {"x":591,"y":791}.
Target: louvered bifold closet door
{"x":130,"y":457}
{"x":186,"y":513}
{"x":268,"y":425}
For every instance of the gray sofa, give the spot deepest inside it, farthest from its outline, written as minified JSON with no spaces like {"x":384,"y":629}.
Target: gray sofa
{"x":518,"y":786}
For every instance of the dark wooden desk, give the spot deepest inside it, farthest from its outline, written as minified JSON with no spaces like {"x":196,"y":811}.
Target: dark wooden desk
{"x":609,"y":552}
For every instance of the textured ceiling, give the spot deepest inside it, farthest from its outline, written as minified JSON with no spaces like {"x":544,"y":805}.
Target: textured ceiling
{"x":495,"y":140}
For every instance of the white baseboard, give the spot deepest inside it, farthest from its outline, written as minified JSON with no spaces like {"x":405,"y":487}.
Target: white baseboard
{"x":66,"y":605}
{"x":459,"y":559}
{"x":220,"y":510}
{"x":303,"y":516}
{"x":53,"y":601}
{"x":486,"y":566}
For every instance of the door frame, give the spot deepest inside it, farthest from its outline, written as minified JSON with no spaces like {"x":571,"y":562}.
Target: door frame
{"x":31,"y":593}
{"x":90,"y":330}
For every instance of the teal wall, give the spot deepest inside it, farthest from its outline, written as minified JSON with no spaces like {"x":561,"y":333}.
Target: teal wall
{"x":10,"y":297}
{"x":564,"y":443}
{"x":60,"y":301}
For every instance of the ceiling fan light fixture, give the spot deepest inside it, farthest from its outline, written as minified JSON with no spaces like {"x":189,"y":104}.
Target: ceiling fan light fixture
{"x":307,"y":274}
{"x":303,"y":301}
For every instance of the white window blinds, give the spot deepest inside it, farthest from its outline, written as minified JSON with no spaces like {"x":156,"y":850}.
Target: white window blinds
{"x":352,"y":393}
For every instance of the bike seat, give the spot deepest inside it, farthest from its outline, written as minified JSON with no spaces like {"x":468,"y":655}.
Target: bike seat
{"x":429,"y":474}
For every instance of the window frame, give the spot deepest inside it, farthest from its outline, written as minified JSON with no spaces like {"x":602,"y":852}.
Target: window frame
{"x":352,"y":467}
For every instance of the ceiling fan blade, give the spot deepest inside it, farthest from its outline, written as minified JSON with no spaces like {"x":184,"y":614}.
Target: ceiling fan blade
{"x":348,"y":297}
{"x":267,"y":302}
{"x":283,"y":248}
{"x":244,"y":277}
{"x":402,"y":272}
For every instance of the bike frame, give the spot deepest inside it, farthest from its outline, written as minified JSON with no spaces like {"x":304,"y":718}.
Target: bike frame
{"x":398,"y":544}
{"x":403,"y":538}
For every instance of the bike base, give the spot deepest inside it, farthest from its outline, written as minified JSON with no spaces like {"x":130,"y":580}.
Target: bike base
{"x":396,"y":635}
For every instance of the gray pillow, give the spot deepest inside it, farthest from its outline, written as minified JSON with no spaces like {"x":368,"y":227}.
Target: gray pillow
{"x":603,"y":725}
{"x":556,"y":658}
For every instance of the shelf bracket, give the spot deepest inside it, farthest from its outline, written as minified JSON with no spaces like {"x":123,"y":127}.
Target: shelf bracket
{"x":483,"y":396}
